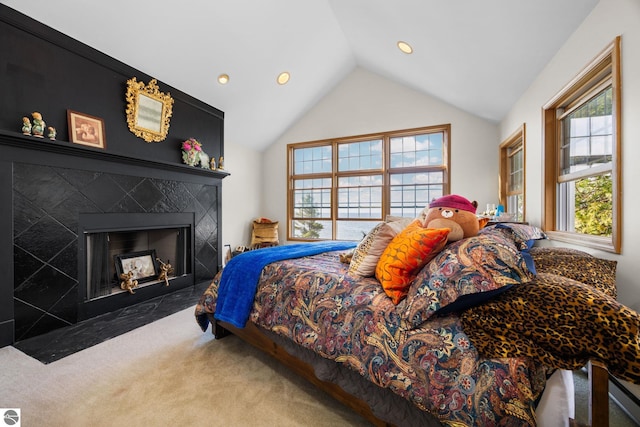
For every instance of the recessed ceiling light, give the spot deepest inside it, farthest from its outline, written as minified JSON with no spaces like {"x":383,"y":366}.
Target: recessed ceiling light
{"x":405,"y":47}
{"x":283,"y":78}
{"x":223,"y":79}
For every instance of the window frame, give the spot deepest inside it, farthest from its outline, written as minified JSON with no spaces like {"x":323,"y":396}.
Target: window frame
{"x":386,"y":171}
{"x":603,"y":70}
{"x":515,"y":140}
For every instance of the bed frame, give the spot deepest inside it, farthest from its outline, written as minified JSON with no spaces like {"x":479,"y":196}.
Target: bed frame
{"x":598,"y":376}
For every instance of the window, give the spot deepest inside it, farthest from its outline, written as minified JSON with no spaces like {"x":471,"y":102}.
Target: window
{"x":340,"y":189}
{"x":512,"y":174}
{"x":582,"y":147}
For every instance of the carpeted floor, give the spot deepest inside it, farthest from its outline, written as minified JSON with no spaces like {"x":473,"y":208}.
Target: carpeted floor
{"x":169,"y":373}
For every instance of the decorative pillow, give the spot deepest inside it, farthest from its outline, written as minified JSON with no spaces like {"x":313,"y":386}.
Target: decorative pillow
{"x":522,"y":234}
{"x":404,"y":220}
{"x":367,"y":253}
{"x":577,"y":265}
{"x":405,"y":255}
{"x":465,"y":273}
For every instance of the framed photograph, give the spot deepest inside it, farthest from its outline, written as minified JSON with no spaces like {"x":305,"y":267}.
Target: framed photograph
{"x":86,"y":130}
{"x":142,"y":264}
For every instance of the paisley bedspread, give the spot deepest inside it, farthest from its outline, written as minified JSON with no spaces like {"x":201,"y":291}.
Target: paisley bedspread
{"x":315,"y":303}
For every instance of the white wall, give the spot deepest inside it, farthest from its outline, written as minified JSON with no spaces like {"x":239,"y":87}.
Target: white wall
{"x":609,"y":19}
{"x":365,"y":103}
{"x":241,"y":200}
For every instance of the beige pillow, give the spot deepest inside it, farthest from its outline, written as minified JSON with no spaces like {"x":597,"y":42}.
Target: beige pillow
{"x":367,"y":253}
{"x":406,"y":221}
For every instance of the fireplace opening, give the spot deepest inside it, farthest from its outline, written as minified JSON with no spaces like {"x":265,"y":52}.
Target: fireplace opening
{"x":152,"y":250}
{"x":141,"y":253}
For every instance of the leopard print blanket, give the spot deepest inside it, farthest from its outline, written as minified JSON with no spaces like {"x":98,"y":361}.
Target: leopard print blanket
{"x":591,"y":325}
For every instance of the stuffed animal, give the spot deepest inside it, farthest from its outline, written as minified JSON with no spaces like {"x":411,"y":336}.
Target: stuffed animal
{"x":455,"y":213}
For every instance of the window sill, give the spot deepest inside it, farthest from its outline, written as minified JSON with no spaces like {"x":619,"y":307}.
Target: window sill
{"x":595,"y":242}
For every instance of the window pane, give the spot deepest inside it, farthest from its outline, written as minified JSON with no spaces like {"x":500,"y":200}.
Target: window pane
{"x":312,"y":198}
{"x":516,"y":176}
{"x":360,"y":155}
{"x":311,"y":229}
{"x":515,"y":204}
{"x":417,"y":150}
{"x":360,"y":197}
{"x":354,"y":230}
{"x":588,"y":135}
{"x":312,"y":160}
{"x":587,"y":206}
{"x":410,"y":193}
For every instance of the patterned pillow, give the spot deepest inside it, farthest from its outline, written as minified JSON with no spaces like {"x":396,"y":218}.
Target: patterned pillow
{"x":465,"y":273}
{"x":405,"y":255}
{"x":522,"y":234}
{"x":367,"y":253}
{"x":577,"y":265}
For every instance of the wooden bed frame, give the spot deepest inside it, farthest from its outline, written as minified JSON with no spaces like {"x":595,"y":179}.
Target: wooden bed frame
{"x":598,"y":376}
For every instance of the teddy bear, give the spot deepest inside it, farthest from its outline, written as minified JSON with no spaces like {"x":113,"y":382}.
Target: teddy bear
{"x":455,"y":213}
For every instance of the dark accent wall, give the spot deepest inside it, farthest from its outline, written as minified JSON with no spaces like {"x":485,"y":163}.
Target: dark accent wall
{"x":44,"y":70}
{"x":45,"y":184}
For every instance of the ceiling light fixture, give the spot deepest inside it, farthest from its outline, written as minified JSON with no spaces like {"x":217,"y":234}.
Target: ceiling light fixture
{"x":405,"y":47}
{"x":283,"y":78}
{"x":223,"y":79}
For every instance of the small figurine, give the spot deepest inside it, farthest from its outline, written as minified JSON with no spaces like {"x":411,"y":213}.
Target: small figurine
{"x":26,"y":126}
{"x":221,"y":163}
{"x":38,"y":125}
{"x":204,"y":160}
{"x":165,"y":270}
{"x":212,"y":164}
{"x":128,"y":282}
{"x":52,"y":133}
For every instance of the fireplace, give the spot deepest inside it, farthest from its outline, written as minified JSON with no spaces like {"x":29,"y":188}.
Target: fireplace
{"x":67,"y":212}
{"x":140,"y":244}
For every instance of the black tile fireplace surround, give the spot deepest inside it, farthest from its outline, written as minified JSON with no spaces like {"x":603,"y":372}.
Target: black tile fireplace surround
{"x":45,"y":188}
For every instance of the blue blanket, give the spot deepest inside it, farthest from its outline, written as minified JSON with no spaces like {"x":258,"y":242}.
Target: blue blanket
{"x":239,"y":280}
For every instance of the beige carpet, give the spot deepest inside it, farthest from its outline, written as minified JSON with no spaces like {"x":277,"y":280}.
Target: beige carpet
{"x":167,"y":373}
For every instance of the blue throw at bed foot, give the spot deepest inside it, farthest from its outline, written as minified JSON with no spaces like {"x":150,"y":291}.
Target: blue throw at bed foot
{"x":241,"y":274}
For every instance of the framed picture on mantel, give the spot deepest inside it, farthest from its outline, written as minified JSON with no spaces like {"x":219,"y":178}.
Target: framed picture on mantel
{"x":86,"y":130}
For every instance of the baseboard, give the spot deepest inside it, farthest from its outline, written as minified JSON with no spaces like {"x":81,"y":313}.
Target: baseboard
{"x":6,"y":333}
{"x":626,"y":400}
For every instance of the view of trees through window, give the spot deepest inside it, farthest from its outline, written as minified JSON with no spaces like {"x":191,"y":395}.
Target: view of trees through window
{"x":593,"y":201}
{"x":588,"y":149}
{"x":309,"y":228}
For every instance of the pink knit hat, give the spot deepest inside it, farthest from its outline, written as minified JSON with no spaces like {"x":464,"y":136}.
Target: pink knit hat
{"x":453,"y":201}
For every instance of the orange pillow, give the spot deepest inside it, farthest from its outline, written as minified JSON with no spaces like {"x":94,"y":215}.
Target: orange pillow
{"x":406,"y":254}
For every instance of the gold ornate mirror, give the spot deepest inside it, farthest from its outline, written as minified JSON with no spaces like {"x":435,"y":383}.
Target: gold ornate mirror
{"x":148,"y":110}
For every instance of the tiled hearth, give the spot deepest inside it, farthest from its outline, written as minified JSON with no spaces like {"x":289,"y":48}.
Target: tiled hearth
{"x":62,"y":342}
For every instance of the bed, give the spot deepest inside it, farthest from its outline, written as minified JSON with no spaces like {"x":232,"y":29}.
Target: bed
{"x":428,"y":360}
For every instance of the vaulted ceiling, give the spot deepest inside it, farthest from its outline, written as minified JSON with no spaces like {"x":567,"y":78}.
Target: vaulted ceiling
{"x":478,"y":55}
